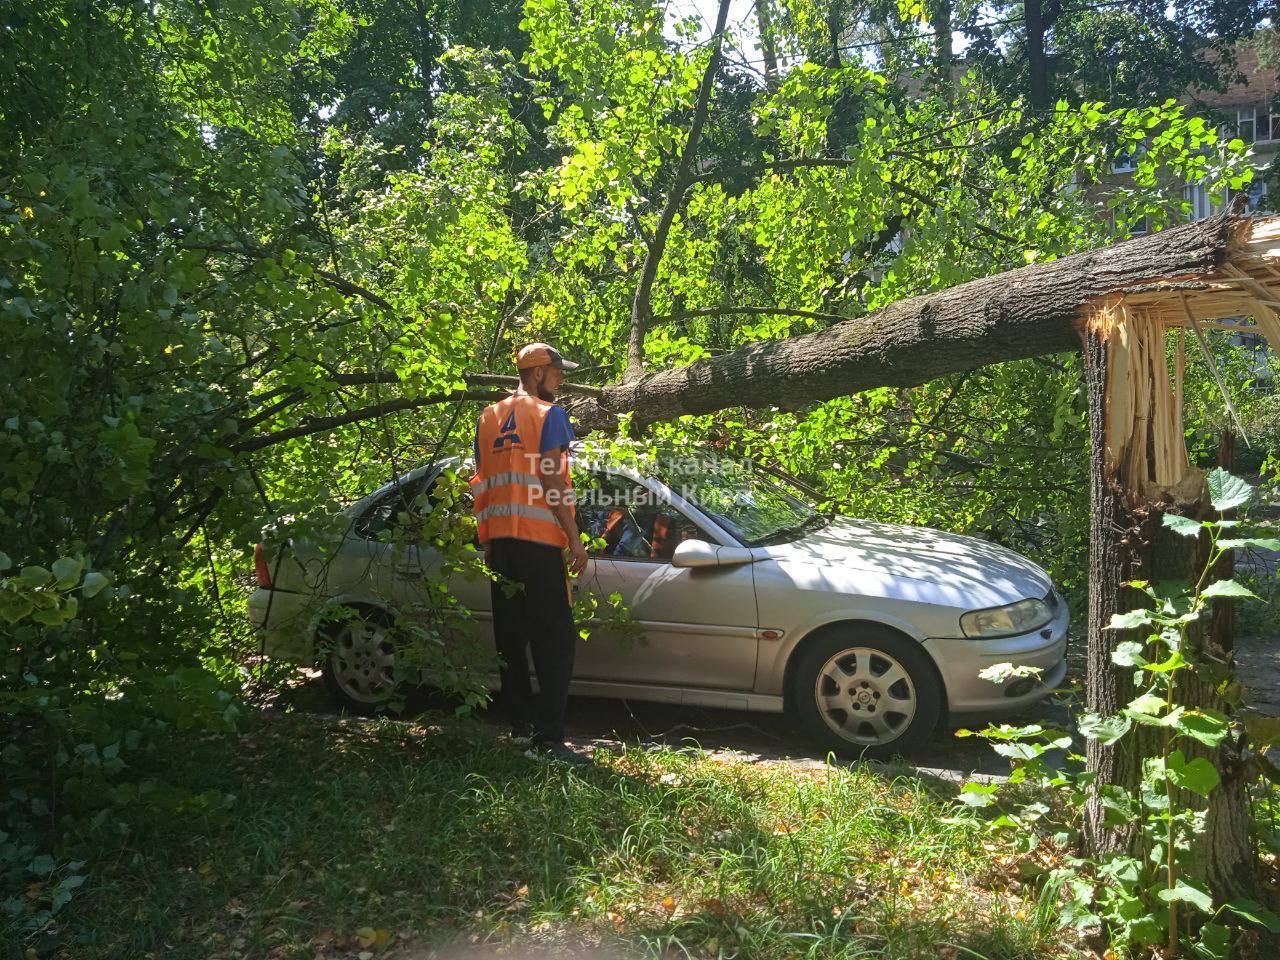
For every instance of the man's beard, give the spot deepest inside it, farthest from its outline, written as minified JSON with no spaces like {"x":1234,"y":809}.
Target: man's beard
{"x":546,"y":394}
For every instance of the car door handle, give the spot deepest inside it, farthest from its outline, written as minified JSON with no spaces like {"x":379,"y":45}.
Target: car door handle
{"x":409,"y":573}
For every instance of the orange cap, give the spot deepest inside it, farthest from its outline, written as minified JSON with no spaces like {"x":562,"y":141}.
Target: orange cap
{"x":540,"y":354}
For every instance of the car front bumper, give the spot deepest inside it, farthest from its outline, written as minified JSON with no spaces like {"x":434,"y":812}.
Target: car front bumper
{"x":961,"y":660}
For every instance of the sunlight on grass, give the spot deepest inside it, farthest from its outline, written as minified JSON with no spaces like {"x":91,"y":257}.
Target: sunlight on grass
{"x":339,"y":838}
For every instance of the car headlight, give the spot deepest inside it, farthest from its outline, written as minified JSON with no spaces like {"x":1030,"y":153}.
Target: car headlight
{"x":1013,"y":618}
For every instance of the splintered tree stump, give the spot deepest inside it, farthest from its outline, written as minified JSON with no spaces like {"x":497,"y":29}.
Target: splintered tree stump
{"x":1139,"y":470}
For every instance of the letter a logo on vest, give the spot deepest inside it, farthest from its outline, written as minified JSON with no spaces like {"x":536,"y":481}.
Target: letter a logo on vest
{"x":507,"y":433}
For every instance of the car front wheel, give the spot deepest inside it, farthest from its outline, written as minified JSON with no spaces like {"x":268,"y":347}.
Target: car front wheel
{"x":864,"y":690}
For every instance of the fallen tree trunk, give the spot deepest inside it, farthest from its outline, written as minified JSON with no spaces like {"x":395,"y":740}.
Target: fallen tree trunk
{"x":1119,"y":304}
{"x":1023,"y":313}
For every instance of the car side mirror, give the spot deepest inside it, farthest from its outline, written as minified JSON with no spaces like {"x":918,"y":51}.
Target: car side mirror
{"x":699,"y":553}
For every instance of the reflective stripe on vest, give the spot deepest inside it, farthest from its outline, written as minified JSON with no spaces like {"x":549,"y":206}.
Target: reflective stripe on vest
{"x":507,"y":476}
{"x":507,"y":489}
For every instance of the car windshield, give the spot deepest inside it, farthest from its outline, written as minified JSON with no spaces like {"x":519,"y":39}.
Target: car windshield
{"x":754,"y":507}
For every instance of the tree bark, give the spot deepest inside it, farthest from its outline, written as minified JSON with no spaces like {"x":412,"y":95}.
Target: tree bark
{"x":1038,"y":17}
{"x":768,"y":46}
{"x":1111,"y":564}
{"x":1026,"y":312}
{"x":940,"y":19}
{"x":1127,"y":541}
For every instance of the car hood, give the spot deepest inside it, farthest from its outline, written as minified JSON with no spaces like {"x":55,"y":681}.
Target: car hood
{"x":976,"y":572}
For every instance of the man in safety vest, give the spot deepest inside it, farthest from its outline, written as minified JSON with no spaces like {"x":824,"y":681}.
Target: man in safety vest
{"x":525,"y":518}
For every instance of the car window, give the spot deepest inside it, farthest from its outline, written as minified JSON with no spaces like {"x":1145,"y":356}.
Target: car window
{"x":378,"y":520}
{"x":631,"y":520}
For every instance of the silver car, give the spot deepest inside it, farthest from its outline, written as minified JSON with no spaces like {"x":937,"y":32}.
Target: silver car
{"x":867,"y":634}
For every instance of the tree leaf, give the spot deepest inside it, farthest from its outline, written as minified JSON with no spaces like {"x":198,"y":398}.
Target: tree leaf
{"x":1198,"y":775}
{"x":34,"y":576}
{"x":66,"y":571}
{"x":1227,"y":490}
{"x":94,"y":582}
{"x":1149,"y":704}
{"x":1128,"y":654}
{"x":1208,"y":728}
{"x":978,"y":794}
{"x":1255,"y":913}
{"x":1263,"y":730}
{"x":5,"y":562}
{"x":1129,"y":620}
{"x":1229,"y":543}
{"x":1186,"y":526}
{"x":1227,"y":588}
{"x":1174,"y":662}
{"x":1106,"y":730}
{"x":1184,"y":892}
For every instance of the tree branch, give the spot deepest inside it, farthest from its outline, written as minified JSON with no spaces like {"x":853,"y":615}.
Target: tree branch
{"x":641,"y":308}
{"x":326,"y":424}
{"x":342,"y":284}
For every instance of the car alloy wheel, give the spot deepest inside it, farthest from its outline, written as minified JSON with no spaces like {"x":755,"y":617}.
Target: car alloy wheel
{"x":865,"y":696}
{"x":865,"y":690}
{"x":362,"y":663}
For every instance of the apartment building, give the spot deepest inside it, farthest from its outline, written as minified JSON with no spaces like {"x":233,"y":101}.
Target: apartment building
{"x":1248,"y":111}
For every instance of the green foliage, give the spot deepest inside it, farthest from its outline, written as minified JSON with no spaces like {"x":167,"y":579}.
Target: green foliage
{"x":244,"y":252}
{"x":1151,"y":895}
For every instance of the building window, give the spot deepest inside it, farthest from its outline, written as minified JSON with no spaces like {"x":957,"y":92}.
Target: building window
{"x":1203,"y":204}
{"x":1126,"y":159}
{"x":1268,"y":124}
{"x":1198,"y":198}
{"x":1247,"y":124}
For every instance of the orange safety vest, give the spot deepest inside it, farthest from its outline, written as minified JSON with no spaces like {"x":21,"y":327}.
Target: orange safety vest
{"x":507,"y":486}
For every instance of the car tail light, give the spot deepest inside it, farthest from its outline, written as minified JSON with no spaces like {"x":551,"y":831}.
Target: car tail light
{"x":260,"y":566}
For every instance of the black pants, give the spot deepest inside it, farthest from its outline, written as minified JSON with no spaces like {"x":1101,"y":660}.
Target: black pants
{"x":536,"y":616}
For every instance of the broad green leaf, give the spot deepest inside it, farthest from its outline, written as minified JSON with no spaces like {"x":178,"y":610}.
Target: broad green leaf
{"x":1149,"y":704}
{"x":1213,"y":942}
{"x":1255,"y":913}
{"x":42,"y":865}
{"x":1019,"y":751}
{"x":1186,"y":526}
{"x":1227,"y":588}
{"x":1184,"y":892}
{"x":1208,"y":728}
{"x":1105,"y":730}
{"x":1263,"y":730}
{"x":66,"y":572}
{"x":5,"y":562}
{"x":34,"y":576}
{"x":94,"y":582}
{"x":1233,"y":543}
{"x":1128,"y":654}
{"x":1129,"y":620}
{"x":1227,"y":490}
{"x":1175,"y":661}
{"x":1198,"y":775}
{"x":978,"y":794}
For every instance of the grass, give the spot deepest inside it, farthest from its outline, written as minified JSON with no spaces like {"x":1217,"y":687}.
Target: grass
{"x":333,"y":838}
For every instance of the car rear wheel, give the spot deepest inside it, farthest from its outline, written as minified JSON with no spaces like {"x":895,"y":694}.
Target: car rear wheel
{"x":864,"y":690}
{"x":360,"y":663}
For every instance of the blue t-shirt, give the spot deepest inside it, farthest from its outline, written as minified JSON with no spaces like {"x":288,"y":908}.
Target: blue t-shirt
{"x":556,"y":432}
